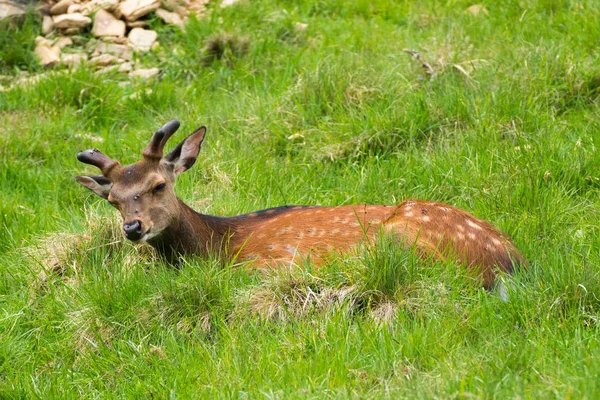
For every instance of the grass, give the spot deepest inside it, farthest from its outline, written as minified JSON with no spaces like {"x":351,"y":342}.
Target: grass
{"x":334,"y":114}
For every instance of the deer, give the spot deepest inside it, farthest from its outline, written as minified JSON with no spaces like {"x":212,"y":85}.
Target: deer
{"x":144,"y":195}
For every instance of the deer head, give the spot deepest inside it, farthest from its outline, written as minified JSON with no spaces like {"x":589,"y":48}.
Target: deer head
{"x":143,"y":192}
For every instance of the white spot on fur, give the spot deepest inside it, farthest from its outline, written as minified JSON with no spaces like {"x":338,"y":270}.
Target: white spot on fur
{"x":408,"y":213}
{"x":460,"y":236}
{"x":284,"y":230}
{"x":496,"y":242}
{"x":291,"y":249}
{"x":471,"y":236}
{"x":460,"y":228}
{"x":355,"y":224}
{"x":473,"y":225}
{"x":426,"y":218}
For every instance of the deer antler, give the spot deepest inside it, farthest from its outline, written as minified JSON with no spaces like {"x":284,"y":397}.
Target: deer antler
{"x":159,"y":139}
{"x":98,"y":159}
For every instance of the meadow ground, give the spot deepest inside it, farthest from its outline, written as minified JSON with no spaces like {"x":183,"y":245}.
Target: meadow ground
{"x":507,"y":128}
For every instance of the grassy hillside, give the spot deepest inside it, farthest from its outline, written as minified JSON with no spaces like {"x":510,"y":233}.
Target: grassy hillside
{"x":507,"y":128}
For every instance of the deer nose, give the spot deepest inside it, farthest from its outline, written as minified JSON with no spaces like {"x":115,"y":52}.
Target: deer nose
{"x":133,"y":229}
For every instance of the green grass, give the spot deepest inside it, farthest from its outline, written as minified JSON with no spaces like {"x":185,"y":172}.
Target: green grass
{"x":336,"y":114}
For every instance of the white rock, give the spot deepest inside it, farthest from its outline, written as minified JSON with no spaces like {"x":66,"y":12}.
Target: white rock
{"x":47,"y":25}
{"x":118,"y":50}
{"x":47,"y":55}
{"x":42,"y":41}
{"x":103,"y":60}
{"x":144,"y":73}
{"x":61,"y":7}
{"x":170,"y":18}
{"x":10,"y":9}
{"x":95,"y":5}
{"x":134,"y":9}
{"x":75,"y":20}
{"x":142,"y":39}
{"x":74,"y":8}
{"x":299,"y":26}
{"x":477,"y":9}
{"x":74,"y":59}
{"x":227,"y":3}
{"x":63,"y":41}
{"x":105,"y":24}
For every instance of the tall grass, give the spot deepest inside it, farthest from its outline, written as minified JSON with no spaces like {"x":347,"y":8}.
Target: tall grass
{"x":334,"y":114}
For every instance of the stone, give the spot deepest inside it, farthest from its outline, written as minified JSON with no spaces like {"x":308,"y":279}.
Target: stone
{"x":95,"y":5}
{"x":46,"y":55}
{"x":105,"y":24}
{"x":75,"y":20}
{"x":134,"y":9}
{"x":142,"y":39}
{"x":477,"y":9}
{"x":74,"y":59}
{"x":227,"y":3}
{"x":169,"y":18}
{"x":144,"y":73}
{"x":118,"y":50}
{"x":299,"y":26}
{"x":74,"y":8}
{"x":9,"y":9}
{"x":42,"y":41}
{"x":47,"y":25}
{"x":71,"y":31}
{"x":126,"y":67}
{"x":61,"y":7}
{"x":103,"y":60}
{"x":63,"y":41}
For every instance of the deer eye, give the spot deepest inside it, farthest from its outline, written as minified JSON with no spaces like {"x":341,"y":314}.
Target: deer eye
{"x":159,"y":187}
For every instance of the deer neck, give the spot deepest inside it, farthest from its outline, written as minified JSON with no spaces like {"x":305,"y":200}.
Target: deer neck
{"x":193,"y":233}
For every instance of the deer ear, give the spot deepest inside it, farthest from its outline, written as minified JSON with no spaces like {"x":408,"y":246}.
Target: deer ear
{"x":96,"y":183}
{"x":185,"y":154}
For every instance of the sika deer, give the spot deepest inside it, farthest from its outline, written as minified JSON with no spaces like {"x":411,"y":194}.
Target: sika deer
{"x":143,"y":193}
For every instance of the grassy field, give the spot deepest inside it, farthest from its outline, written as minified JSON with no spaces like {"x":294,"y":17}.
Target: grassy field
{"x":507,"y":128}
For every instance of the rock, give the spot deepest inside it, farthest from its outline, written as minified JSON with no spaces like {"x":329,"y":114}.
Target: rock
{"x":105,"y":24}
{"x":42,"y":41}
{"x":227,"y":3}
{"x":46,"y":55}
{"x":299,"y":26}
{"x":137,"y":24}
{"x":144,"y":73}
{"x":75,"y":20}
{"x":47,"y":25}
{"x":134,"y":9}
{"x":197,"y":7}
{"x":95,"y":5}
{"x":169,"y":18}
{"x":74,"y":8}
{"x":477,"y":9}
{"x":118,"y":50}
{"x":126,"y":67}
{"x":63,"y":41}
{"x":142,"y":39}
{"x":71,"y":31}
{"x":71,"y":60}
{"x":103,"y":60}
{"x":61,"y":7}
{"x":9,"y":9}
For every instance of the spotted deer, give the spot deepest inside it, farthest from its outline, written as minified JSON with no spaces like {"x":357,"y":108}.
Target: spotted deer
{"x":144,"y":194}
